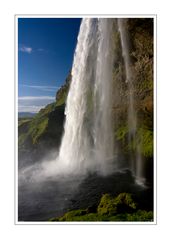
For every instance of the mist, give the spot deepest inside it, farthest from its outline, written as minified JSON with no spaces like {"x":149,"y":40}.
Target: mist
{"x":45,"y":189}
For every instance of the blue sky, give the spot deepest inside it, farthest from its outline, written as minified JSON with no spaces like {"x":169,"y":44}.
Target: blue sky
{"x":45,"y":54}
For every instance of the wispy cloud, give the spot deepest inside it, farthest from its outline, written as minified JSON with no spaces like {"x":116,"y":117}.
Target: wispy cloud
{"x":36,"y":98}
{"x":33,"y":103}
{"x":25,"y":49}
{"x":30,"y":109}
{"x":42,"y":88}
{"x":28,"y":49}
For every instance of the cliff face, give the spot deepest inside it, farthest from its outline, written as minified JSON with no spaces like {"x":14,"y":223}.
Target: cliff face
{"x":43,"y":132}
{"x":140,"y":38}
{"x":61,"y":94}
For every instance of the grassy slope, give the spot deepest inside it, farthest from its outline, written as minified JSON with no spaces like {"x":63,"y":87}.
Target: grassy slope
{"x":47,"y":124}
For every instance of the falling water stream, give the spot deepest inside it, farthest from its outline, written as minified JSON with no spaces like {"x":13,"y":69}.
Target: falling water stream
{"x":88,"y":140}
{"x":136,"y":159}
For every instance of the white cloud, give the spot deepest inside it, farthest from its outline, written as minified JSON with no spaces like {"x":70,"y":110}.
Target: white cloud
{"x":42,"y":88}
{"x":35,"y":98}
{"x":25,"y":49}
{"x":33,"y":103}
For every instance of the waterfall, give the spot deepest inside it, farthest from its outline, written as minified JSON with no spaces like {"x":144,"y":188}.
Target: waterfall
{"x":136,"y":159}
{"x":103,"y":97}
{"x":87,"y":143}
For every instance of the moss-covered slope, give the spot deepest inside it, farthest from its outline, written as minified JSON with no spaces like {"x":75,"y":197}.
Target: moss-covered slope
{"x":43,"y":132}
{"x":120,"y":208}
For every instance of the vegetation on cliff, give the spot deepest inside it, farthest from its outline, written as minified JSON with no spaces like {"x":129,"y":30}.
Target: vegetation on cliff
{"x":120,"y":208}
{"x":141,"y":66}
{"x":43,"y":132}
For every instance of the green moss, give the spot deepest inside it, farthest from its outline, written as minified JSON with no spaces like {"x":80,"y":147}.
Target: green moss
{"x":35,"y":126}
{"x":122,"y":203}
{"x":44,"y":128}
{"x":62,"y":93}
{"x":110,"y":209}
{"x":86,"y":218}
{"x":124,"y":200}
{"x":145,"y":138}
{"x":121,"y":133}
{"x":72,"y":214}
{"x":107,"y":205}
{"x":45,"y":111}
{"x":62,"y":99}
{"x":139,"y":216}
{"x":89,"y":217}
{"x":36,"y":130}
